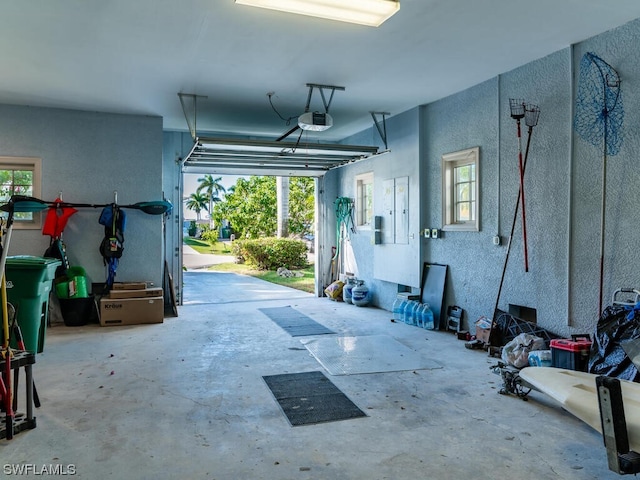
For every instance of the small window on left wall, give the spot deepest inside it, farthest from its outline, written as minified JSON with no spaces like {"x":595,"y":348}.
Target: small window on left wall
{"x":364,"y":199}
{"x":21,"y":176}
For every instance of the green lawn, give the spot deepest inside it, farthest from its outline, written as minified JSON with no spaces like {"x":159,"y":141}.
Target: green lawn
{"x":305,"y":283}
{"x":218,"y":248}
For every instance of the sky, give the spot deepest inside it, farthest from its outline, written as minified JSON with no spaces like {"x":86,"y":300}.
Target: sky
{"x":191,"y":184}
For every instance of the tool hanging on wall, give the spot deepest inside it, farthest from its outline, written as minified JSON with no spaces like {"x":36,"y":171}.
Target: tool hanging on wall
{"x":112,"y":245}
{"x":112,"y":217}
{"x":32,"y":204}
{"x":344,"y":224}
{"x":598,"y":120}
{"x":54,"y":224}
{"x":531,"y":116}
{"x":517,"y":112}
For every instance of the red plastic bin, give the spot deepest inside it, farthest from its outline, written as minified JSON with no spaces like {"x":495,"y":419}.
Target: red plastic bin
{"x":571,"y":353}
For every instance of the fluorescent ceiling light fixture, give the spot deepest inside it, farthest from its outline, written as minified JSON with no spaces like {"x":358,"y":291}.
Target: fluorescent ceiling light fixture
{"x":364,"y":12}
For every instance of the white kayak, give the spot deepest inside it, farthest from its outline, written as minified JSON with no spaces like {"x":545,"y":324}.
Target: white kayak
{"x":577,"y":393}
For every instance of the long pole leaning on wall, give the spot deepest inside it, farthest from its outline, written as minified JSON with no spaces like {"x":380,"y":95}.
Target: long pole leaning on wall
{"x":572,"y":72}
{"x":498,"y":170}
{"x":530,"y":115}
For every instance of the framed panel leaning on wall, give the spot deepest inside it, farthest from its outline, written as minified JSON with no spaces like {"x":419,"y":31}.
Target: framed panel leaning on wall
{"x":461,"y":190}
{"x":21,"y":176}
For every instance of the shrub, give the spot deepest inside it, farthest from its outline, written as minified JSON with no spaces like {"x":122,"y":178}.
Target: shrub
{"x":210,"y":235}
{"x":271,"y":253}
{"x":193,"y":228}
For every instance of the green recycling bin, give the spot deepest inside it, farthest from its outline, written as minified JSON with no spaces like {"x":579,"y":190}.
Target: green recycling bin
{"x":29,"y":281}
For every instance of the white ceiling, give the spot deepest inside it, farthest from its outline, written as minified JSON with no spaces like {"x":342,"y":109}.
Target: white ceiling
{"x":134,"y":56}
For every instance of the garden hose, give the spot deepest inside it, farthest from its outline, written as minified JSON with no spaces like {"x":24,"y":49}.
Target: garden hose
{"x":344,"y":216}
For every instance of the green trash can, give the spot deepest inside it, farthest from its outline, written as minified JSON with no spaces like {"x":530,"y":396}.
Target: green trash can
{"x":29,"y":281}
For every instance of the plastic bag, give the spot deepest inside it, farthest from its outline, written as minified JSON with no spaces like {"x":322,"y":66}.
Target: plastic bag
{"x":607,"y":357}
{"x":516,"y":352}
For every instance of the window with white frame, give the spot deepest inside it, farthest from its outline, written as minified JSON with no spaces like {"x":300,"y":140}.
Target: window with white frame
{"x":364,"y":199}
{"x":460,"y":190}
{"x":21,"y":176}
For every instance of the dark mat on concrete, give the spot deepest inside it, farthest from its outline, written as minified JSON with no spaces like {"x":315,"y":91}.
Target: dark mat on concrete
{"x":310,"y":397}
{"x":295,"y":323}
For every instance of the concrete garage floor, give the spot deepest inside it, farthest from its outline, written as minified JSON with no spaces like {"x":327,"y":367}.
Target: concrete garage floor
{"x":185,"y":399}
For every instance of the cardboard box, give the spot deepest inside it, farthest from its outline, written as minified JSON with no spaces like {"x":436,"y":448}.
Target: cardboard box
{"x":482,"y":334}
{"x":129,"y":286}
{"x":146,"y":293}
{"x":131,"y":311}
{"x":483,"y":329}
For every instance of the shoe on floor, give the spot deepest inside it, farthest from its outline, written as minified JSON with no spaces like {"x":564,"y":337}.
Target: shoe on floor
{"x":474,"y":344}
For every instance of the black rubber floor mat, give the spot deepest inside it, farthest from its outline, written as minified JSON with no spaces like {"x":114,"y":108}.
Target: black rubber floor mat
{"x":295,"y":323}
{"x":310,"y":398}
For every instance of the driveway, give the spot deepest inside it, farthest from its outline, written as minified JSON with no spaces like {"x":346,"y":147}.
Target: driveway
{"x":192,"y":260}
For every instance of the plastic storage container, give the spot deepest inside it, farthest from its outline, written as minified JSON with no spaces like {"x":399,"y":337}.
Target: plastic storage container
{"x":540,"y":358}
{"x":73,"y":284}
{"x":79,"y":311}
{"x":29,"y":281}
{"x":571,"y":354}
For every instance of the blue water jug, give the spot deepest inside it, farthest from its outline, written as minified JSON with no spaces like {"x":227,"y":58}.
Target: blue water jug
{"x":398,"y":309}
{"x":427,"y":318}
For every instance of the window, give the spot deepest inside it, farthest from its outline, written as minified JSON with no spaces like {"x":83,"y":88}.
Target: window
{"x":460,"y":190}
{"x":21,"y":176}
{"x":364,"y":199}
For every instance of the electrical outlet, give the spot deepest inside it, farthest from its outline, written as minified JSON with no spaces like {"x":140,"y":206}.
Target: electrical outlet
{"x":434,"y":233}
{"x":427,"y":233}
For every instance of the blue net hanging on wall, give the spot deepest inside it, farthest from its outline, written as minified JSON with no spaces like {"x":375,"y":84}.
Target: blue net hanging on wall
{"x":598,"y":120}
{"x":599,"y":110}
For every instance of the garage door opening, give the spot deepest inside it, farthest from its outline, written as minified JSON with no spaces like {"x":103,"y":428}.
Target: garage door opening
{"x":246,"y":206}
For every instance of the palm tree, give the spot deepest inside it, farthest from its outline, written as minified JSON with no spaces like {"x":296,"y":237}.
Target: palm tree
{"x":196,"y":202}
{"x":212,"y":188}
{"x":282,"y":195}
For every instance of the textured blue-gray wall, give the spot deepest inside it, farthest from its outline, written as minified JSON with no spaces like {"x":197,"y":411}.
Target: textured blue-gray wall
{"x":480,"y":116}
{"x":563,"y":187}
{"x":87,"y":156}
{"x":622,"y":238}
{"x":383,"y":266}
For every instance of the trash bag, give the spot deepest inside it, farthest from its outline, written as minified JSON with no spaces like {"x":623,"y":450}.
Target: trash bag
{"x":516,"y":352}
{"x":617,"y":324}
